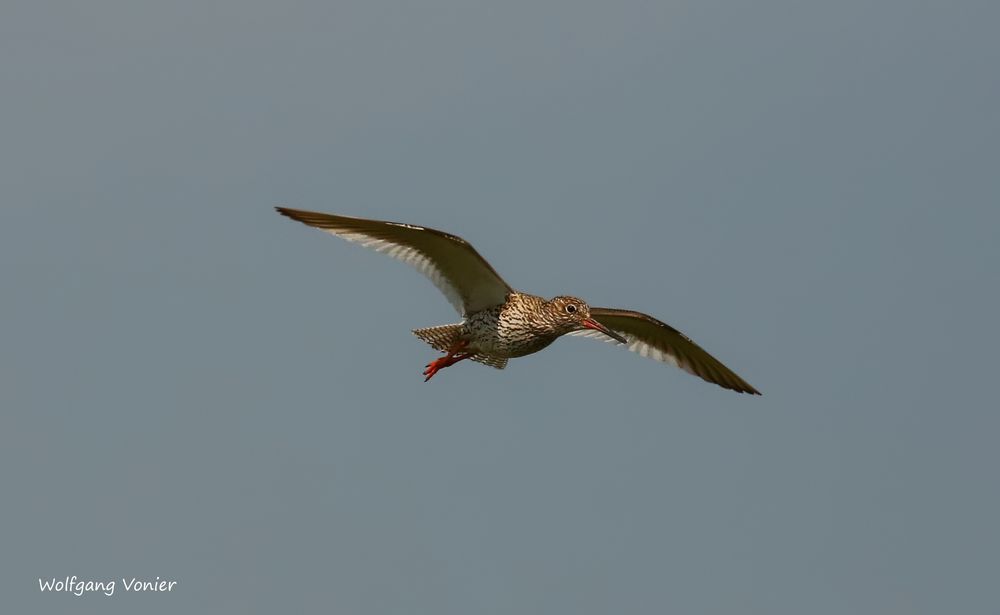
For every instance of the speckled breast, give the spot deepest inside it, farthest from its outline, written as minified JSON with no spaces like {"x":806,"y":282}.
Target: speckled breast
{"x":511,"y":329}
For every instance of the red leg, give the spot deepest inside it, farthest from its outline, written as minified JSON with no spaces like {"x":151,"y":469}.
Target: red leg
{"x":449,"y":359}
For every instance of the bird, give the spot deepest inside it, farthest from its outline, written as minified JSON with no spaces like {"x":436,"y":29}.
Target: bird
{"x":500,"y":323}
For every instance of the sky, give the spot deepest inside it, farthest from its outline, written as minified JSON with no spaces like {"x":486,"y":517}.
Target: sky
{"x":196,"y":389}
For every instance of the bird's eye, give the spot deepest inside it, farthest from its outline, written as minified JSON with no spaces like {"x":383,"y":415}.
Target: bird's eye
{"x":570,"y":308}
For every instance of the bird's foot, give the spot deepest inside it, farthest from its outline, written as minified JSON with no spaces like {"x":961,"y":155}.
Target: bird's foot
{"x":442,"y":362}
{"x":434,"y":367}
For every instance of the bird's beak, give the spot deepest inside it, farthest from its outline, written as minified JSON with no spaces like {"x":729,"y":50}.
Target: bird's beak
{"x":590,"y":323}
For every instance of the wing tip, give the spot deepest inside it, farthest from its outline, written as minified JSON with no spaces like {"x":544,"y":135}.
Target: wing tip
{"x":288,"y":212}
{"x":738,"y":385}
{"x":309,"y":218}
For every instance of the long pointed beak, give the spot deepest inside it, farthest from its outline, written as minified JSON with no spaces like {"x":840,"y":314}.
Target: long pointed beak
{"x":590,"y":323}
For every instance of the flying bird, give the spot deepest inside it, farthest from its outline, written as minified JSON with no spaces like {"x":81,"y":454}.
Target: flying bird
{"x":500,"y":323}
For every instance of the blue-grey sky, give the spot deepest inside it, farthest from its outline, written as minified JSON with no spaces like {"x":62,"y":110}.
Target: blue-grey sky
{"x":195,"y":388}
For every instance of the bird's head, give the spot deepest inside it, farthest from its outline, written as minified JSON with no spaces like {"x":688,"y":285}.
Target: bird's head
{"x":572,"y":314}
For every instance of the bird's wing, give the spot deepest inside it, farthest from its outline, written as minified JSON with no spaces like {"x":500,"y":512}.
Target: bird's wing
{"x":651,"y":338}
{"x":454,"y":266}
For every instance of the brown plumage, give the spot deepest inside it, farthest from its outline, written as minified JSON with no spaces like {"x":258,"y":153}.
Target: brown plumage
{"x":499,"y":322}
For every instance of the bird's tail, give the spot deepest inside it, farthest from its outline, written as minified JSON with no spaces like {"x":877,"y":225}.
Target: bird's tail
{"x":441,"y":337}
{"x":444,"y":337}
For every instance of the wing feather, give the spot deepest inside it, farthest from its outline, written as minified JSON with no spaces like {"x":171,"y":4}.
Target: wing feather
{"x":651,"y":338}
{"x":449,"y":262}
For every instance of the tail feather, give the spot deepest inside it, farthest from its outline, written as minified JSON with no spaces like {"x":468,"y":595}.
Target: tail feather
{"x":441,"y":337}
{"x":444,"y":337}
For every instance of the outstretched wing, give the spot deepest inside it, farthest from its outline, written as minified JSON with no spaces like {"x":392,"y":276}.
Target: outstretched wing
{"x":454,"y":266}
{"x":651,"y":338}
